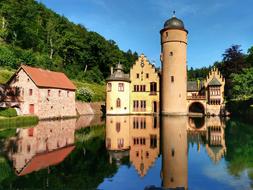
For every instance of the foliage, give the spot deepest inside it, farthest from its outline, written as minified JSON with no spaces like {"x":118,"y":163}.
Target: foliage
{"x":5,"y":75}
{"x":233,"y":63}
{"x":242,"y":84}
{"x":242,"y":108}
{"x":201,"y":73}
{"x":99,"y":90}
{"x":239,"y":146}
{"x":5,"y":171}
{"x":19,"y":121}
{"x":84,"y":94}
{"x":32,"y":34}
{"x":9,"y":112}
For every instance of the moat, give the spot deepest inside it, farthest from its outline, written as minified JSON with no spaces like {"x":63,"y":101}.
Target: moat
{"x":129,"y":152}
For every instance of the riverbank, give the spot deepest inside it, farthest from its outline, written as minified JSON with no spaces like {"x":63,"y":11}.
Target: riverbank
{"x":241,"y":108}
{"x":18,"y":121}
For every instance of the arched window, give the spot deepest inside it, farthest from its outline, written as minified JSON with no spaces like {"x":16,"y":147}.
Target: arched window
{"x":118,"y":103}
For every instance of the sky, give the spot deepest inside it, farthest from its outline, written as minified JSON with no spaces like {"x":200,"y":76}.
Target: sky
{"x":213,"y":25}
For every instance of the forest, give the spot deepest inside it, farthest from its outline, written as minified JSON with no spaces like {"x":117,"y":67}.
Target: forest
{"x":32,"y":34}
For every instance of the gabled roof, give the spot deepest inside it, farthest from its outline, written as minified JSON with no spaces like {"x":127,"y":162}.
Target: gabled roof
{"x":46,"y":78}
{"x":214,"y":82}
{"x":45,"y":160}
{"x":192,"y":86}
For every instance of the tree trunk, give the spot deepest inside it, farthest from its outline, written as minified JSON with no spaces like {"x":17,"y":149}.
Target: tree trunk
{"x":51,"y":49}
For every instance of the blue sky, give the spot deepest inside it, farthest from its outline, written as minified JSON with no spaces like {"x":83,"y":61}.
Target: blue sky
{"x":213,"y":25}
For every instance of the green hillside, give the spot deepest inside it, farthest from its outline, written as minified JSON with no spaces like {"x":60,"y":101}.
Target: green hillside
{"x":32,"y":34}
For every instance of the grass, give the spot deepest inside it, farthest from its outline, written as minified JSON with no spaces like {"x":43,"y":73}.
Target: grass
{"x":98,"y":89}
{"x":19,"y":121}
{"x":9,"y":112}
{"x":5,"y":75}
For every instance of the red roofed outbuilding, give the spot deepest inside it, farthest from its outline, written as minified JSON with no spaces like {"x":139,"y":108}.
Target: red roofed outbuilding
{"x":44,"y":93}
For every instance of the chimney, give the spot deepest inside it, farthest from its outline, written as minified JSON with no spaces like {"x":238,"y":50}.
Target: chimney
{"x":111,"y":70}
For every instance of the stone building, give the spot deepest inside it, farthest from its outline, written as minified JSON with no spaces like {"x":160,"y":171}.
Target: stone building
{"x":207,"y":96}
{"x":44,"y":93}
{"x":144,"y":87}
{"x":137,"y":93}
{"x":117,"y":92}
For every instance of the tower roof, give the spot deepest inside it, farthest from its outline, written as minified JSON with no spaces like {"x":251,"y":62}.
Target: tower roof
{"x":174,"y":23}
{"x":118,"y":75}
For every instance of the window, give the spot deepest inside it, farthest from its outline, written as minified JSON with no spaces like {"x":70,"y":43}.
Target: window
{"x":108,"y":143}
{"x":167,"y":34}
{"x":67,"y":93}
{"x":118,"y":127}
{"x":28,"y":148}
{"x":171,"y":53}
{"x":172,"y":79}
{"x":59,"y":93}
{"x":147,"y":75}
{"x":120,"y":143}
{"x":121,"y":87}
{"x":48,"y":92}
{"x":153,"y":87}
{"x":30,"y":92}
{"x":137,"y":75}
{"x":109,"y":87}
{"x":118,"y":102}
{"x":153,"y":141}
{"x":172,"y":152}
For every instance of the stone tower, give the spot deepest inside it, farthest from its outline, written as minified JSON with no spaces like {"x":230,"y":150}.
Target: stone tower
{"x":174,"y":71}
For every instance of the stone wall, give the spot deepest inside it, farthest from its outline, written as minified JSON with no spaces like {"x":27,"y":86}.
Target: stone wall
{"x":89,"y":108}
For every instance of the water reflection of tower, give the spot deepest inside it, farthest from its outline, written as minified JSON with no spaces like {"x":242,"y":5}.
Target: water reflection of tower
{"x":174,"y":172}
{"x":117,"y":137}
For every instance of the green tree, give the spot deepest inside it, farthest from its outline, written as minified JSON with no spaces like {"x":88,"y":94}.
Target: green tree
{"x":242,"y":84}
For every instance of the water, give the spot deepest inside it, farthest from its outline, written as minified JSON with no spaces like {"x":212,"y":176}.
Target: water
{"x":129,"y":152}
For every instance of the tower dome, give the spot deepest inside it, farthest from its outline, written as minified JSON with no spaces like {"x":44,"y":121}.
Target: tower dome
{"x":174,"y":23}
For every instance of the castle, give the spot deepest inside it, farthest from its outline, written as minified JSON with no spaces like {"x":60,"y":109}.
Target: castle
{"x":149,"y":91}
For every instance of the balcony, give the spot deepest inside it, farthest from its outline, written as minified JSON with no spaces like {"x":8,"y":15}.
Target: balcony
{"x":196,"y":97}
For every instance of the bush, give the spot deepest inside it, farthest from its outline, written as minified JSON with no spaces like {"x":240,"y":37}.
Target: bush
{"x":84,"y":94}
{"x":9,"y":112}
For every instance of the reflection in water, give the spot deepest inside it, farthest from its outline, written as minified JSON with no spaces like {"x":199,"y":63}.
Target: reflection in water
{"x":210,"y":132}
{"x":136,"y":137}
{"x":174,"y":150}
{"x":46,"y":144}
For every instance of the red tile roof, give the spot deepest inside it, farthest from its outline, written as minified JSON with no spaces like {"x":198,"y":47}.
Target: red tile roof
{"x":44,"y":160}
{"x":46,"y":78}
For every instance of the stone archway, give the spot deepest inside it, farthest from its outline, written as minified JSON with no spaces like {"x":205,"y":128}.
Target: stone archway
{"x":196,"y":108}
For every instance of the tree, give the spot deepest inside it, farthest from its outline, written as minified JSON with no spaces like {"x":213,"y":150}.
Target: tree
{"x":233,"y":63}
{"x":242,"y":84}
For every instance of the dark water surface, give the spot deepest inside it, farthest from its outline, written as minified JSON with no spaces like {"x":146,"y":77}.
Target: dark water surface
{"x":129,"y":152}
